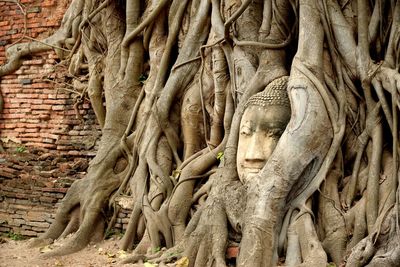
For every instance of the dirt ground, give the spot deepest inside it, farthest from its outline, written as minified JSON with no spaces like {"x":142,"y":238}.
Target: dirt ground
{"x":17,"y":254}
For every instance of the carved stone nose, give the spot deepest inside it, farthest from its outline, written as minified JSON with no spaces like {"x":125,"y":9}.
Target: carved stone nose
{"x":260,"y":148}
{"x":255,"y":150}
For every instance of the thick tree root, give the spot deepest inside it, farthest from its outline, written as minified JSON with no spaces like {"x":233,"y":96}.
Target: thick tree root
{"x":168,"y":82}
{"x":312,"y":252}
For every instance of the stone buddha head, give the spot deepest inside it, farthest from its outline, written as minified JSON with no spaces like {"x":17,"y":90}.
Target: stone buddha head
{"x":264,"y":120}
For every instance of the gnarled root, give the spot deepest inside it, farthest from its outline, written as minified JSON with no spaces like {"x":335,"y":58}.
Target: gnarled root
{"x":17,"y":52}
{"x":331,"y":216}
{"x":385,"y":241}
{"x":381,"y":247}
{"x":211,"y":229}
{"x":82,"y":208}
{"x":63,"y":216}
{"x":361,"y":253}
{"x":312,"y":253}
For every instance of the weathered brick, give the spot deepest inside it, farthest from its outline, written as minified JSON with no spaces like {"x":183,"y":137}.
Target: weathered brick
{"x":60,"y":96}
{"x":36,"y":116}
{"x":38,"y":224}
{"x":16,"y":222}
{"x":26,"y":227}
{"x":38,"y":216}
{"x":17,"y":216}
{"x":26,"y":81}
{"x":16,"y":36}
{"x":7,"y":174}
{"x":4,"y":229}
{"x":31,"y":139}
{"x":13,"y":116}
{"x":44,"y":116}
{"x":21,"y":212}
{"x":22,"y":196}
{"x":47,"y":3}
{"x":58,"y":107}
{"x":42,"y":145}
{"x":18,"y":207}
{"x":21,"y":130}
{"x":42,"y":85}
{"x":6,"y":27}
{"x":28,"y":233}
{"x":44,"y":107}
{"x":55,"y":101}
{"x":48,"y":199}
{"x":39,"y":230}
{"x":33,"y":120}
{"x":34,"y":25}
{"x":35,"y":9}
{"x":73,"y":132}
{"x":25,"y":202}
{"x":60,"y":190}
{"x":49,"y":135}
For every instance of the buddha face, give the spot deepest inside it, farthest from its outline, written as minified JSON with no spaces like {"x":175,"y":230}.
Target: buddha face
{"x":260,"y":130}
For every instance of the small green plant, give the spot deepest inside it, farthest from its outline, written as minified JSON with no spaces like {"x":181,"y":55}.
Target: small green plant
{"x":109,"y":233}
{"x":113,"y":232}
{"x":156,"y":249}
{"x":173,"y":255}
{"x":143,"y":78}
{"x":20,"y":149}
{"x":15,"y":236}
{"x":120,"y":234}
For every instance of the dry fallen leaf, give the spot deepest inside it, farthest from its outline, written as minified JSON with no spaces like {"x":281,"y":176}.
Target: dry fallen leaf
{"x":58,"y":263}
{"x":110,"y":254}
{"x":148,"y":264}
{"x":121,"y":254}
{"x":182,"y":262}
{"x":111,"y":260}
{"x":45,"y":249}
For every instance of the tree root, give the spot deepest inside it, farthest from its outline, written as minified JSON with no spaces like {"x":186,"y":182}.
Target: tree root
{"x":332,"y":219}
{"x":198,"y":249}
{"x":16,"y":53}
{"x":154,"y":78}
{"x":312,"y":253}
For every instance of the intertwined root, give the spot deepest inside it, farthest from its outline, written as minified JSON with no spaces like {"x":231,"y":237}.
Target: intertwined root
{"x":203,"y":60}
{"x":82,"y":210}
{"x":381,"y":247}
{"x":86,"y":224}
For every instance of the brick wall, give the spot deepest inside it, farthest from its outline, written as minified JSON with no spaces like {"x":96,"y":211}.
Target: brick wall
{"x":41,"y":114}
{"x":39,"y":102}
{"x":32,"y":184}
{"x":43,"y":16}
{"x":49,"y":139}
